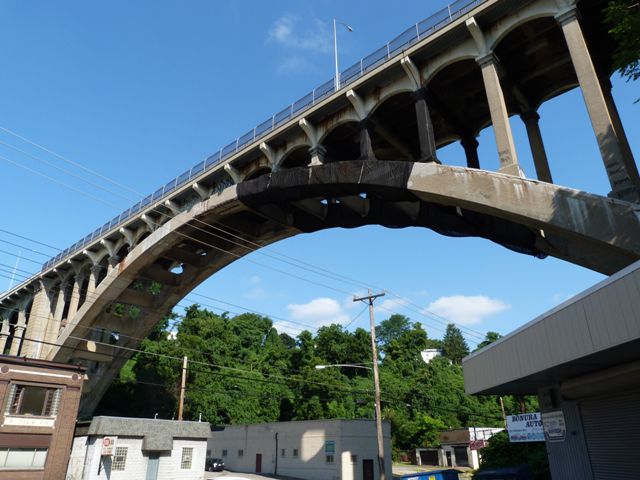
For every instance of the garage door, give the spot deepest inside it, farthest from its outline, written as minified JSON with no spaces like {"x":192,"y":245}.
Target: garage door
{"x":612,"y":430}
{"x":462,"y":459}
{"x":429,"y":457}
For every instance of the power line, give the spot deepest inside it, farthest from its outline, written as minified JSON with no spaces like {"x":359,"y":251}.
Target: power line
{"x":306,"y":266}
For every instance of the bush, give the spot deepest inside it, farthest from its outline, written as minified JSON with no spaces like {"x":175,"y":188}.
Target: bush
{"x":502,"y":453}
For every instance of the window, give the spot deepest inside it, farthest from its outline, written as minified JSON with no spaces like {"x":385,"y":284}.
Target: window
{"x":329,"y":458}
{"x":208,"y":453}
{"x":354,"y":458}
{"x":33,"y":400}
{"x":241,"y":453}
{"x":283,"y":452}
{"x":187,"y":455}
{"x":22,"y":458}
{"x":224,"y":453}
{"x":295,"y":452}
{"x":119,"y":459}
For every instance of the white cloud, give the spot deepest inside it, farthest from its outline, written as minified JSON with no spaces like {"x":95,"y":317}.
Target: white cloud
{"x":467,"y":310}
{"x":288,"y":32}
{"x":257,"y":292}
{"x":318,"y":312}
{"x":392,"y":305}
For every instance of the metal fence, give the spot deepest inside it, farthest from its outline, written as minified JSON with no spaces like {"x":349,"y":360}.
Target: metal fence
{"x":410,"y":36}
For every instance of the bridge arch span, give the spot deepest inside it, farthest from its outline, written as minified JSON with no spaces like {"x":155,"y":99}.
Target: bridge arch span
{"x":524,"y":215}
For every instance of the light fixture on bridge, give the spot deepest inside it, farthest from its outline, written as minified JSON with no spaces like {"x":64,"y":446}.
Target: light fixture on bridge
{"x":335,"y":50}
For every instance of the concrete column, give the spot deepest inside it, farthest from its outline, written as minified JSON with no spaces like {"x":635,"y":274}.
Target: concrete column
{"x":53,"y":328}
{"x":499,"y":115}
{"x":531,"y":120}
{"x":366,"y":148}
{"x":621,"y":184}
{"x":629,"y":160}
{"x":93,"y":280}
{"x":425,"y":127}
{"x":38,"y":322}
{"x":74,"y":299}
{"x":114,"y":260}
{"x":318,"y":153}
{"x":470,"y":145}
{"x":4,"y":334}
{"x":18,"y":331}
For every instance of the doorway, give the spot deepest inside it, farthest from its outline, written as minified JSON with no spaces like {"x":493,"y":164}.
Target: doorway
{"x":258,"y":463}
{"x":367,"y":469}
{"x":448,"y":460}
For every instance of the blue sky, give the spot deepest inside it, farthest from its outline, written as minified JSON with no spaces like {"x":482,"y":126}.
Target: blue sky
{"x":141,"y":91}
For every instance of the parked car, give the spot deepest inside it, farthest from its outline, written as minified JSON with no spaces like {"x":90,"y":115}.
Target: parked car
{"x":214,"y":465}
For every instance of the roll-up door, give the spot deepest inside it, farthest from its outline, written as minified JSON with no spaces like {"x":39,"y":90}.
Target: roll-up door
{"x":611,"y":427}
{"x":462,"y":458}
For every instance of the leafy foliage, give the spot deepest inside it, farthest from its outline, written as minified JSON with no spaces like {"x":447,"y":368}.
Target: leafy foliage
{"x":454,"y":346}
{"x":623,"y":19}
{"x":242,"y":370}
{"x":501,"y":453}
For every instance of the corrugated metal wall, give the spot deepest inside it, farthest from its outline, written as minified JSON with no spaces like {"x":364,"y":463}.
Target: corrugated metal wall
{"x":569,"y":460}
{"x":612,"y":427}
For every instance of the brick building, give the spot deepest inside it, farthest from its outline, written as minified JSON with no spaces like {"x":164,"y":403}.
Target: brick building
{"x":39,"y":407}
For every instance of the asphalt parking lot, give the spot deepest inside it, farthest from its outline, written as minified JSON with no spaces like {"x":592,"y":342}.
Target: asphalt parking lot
{"x":235,"y":476}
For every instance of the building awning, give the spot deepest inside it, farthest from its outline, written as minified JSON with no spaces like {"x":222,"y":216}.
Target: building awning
{"x":597,"y":329}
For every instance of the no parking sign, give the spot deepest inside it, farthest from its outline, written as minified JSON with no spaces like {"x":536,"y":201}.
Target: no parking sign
{"x":108,"y":446}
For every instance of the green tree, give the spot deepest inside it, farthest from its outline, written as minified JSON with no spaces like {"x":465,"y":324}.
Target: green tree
{"x":489,"y":338}
{"x":392,"y":328}
{"x":454,"y":346}
{"x":501,"y":453}
{"x":623,"y":19}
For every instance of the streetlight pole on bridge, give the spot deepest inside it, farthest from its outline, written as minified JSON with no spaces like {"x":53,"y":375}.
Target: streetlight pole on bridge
{"x":335,"y":50}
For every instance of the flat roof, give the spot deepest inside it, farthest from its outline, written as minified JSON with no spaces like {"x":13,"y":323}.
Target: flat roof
{"x":596,"y":329}
{"x":32,"y":362}
{"x":158,"y":434}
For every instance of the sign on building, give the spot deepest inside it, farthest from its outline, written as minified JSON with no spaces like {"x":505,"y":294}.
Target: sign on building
{"x":330,"y":447}
{"x":108,"y":446}
{"x":554,"y":427}
{"x":526,"y":427}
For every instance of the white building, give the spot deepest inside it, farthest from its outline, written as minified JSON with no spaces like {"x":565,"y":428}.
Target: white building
{"x":313,"y":450}
{"x":429,"y":354}
{"x":117,"y":448}
{"x":461,"y":447}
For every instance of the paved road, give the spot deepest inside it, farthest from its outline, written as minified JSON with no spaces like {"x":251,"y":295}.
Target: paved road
{"x":236,"y":476}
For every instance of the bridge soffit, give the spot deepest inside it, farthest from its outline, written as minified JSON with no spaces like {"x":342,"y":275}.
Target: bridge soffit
{"x":533,"y":11}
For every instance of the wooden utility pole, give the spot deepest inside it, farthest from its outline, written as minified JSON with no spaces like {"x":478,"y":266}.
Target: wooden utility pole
{"x":182,"y":388}
{"x":376,"y":380}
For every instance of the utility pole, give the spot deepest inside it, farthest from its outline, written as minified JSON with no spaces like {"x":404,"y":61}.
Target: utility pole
{"x":182,"y":388}
{"x":376,"y":379}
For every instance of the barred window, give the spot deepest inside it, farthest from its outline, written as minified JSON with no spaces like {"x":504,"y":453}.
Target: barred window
{"x":283,"y":452}
{"x":241,"y":453}
{"x":295,"y":452}
{"x":33,"y":400}
{"x":187,"y":455}
{"x":329,"y":459}
{"x":119,"y":459}
{"x":224,"y":453}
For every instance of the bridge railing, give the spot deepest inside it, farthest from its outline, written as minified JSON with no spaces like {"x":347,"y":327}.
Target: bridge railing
{"x":410,"y":36}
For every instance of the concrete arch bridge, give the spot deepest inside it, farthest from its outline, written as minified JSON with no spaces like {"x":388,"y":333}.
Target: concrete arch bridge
{"x":364,"y":153}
